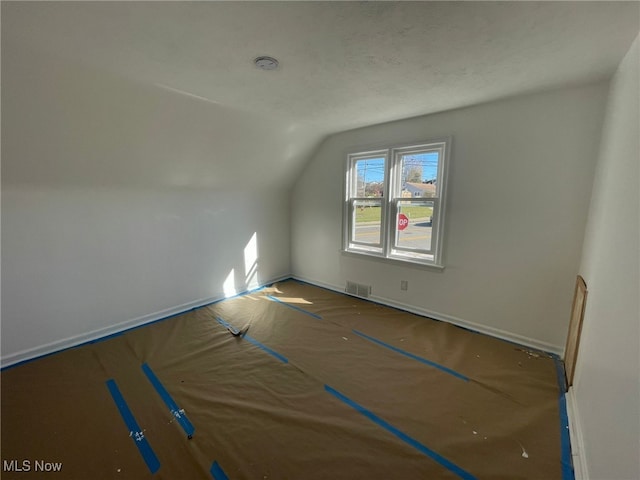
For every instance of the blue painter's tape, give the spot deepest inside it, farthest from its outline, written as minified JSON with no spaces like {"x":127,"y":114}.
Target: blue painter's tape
{"x":565,"y":440}
{"x":402,"y":436}
{"x":217,"y":472}
{"x":311,"y":314}
{"x":282,"y":358}
{"x":252,"y":340}
{"x":226,"y":324}
{"x":134,"y":430}
{"x":168,"y":400}
{"x":412,"y":356}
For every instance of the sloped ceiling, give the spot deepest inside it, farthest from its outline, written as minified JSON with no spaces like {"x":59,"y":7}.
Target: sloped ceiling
{"x":343,"y":64}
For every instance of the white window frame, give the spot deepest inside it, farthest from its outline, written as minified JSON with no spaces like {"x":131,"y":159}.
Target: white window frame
{"x":392,"y":195}
{"x":351,"y":180}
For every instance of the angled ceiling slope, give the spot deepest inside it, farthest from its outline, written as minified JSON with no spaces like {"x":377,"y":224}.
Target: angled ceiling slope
{"x":343,"y":65}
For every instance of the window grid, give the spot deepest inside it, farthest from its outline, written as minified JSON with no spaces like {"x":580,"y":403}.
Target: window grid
{"x":394,"y":202}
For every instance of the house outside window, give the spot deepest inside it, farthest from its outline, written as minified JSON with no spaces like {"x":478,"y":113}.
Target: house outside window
{"x":394,"y":202}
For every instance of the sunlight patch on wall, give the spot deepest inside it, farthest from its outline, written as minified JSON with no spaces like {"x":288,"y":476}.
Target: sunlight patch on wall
{"x":251,"y":262}
{"x":229,"y":285}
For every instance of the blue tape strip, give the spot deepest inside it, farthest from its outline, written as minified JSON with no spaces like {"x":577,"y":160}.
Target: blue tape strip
{"x":226,"y":325}
{"x":282,"y":358}
{"x":168,"y":400}
{"x":252,"y":340}
{"x":134,"y":430}
{"x":311,"y":314}
{"x":217,"y":472}
{"x":565,"y":440}
{"x":412,"y":356}
{"x":402,"y":436}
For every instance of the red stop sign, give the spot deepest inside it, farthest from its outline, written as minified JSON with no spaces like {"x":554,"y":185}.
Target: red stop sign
{"x":403,"y":221}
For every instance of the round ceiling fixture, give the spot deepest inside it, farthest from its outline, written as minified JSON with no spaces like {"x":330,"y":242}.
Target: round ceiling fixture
{"x":266,"y":63}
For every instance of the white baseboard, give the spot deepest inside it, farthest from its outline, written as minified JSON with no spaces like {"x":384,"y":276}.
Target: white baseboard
{"x":476,"y":327}
{"x":76,"y":340}
{"x":577,"y":440}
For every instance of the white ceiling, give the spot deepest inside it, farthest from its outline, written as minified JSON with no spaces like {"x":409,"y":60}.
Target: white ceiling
{"x":343,"y":64}
{"x":165,"y":94}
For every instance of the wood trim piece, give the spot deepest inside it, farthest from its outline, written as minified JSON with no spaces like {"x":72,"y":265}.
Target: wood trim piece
{"x":575,"y":328}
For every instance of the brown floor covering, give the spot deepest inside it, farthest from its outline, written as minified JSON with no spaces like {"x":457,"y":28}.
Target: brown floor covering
{"x":493,"y":415}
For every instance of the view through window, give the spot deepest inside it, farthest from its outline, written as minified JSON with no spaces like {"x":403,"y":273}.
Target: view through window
{"x":394,"y":204}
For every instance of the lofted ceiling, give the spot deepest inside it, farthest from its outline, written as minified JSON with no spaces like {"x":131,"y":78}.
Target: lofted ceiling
{"x":343,"y":65}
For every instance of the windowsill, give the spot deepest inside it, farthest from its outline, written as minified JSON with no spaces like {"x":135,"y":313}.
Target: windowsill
{"x":392,"y":260}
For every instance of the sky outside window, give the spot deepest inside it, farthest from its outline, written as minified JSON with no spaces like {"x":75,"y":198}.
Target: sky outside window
{"x":371,"y":170}
{"x":370,"y":177}
{"x":424,"y":166}
{"x":420,"y":167}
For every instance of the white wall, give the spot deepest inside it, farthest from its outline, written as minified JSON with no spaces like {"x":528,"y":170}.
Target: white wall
{"x":519,"y":185}
{"x":79,"y":260}
{"x":123,"y":202}
{"x":607,"y":381}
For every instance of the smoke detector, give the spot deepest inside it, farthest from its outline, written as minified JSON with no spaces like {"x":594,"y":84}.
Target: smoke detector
{"x":266,"y":63}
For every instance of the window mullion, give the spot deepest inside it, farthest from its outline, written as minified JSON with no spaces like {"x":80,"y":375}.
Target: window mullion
{"x":389,"y":207}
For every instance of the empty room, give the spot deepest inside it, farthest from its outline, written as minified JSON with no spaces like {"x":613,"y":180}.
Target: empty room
{"x":320,"y":240}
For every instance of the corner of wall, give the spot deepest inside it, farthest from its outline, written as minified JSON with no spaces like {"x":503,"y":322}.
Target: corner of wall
{"x":606,"y":440}
{"x":577,"y":440}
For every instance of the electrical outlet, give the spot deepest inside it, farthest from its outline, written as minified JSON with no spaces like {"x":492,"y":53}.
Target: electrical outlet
{"x":404,"y":285}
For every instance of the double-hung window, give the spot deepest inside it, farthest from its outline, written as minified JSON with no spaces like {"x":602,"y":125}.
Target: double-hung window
{"x":394,"y":202}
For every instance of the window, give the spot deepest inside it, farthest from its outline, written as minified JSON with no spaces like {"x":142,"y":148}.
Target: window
{"x":394,"y":202}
